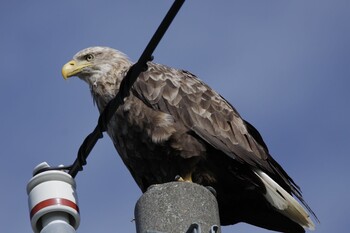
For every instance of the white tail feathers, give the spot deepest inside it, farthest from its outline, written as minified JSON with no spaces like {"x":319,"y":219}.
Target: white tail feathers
{"x":284,"y":202}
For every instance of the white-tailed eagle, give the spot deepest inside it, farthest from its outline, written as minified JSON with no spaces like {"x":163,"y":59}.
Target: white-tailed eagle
{"x":174,"y":124}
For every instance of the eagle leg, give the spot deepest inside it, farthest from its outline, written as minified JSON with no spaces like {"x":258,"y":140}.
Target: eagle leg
{"x":186,"y":178}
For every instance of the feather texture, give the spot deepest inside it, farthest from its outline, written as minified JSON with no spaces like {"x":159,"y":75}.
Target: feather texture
{"x":174,"y":124}
{"x":284,"y":202}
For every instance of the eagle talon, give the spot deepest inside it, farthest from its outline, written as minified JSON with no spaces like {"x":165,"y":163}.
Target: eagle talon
{"x":212,"y":190}
{"x":187,"y":178}
{"x":179,"y":178}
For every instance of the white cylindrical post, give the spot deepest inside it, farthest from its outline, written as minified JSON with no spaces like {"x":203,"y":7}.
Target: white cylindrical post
{"x":53,"y":201}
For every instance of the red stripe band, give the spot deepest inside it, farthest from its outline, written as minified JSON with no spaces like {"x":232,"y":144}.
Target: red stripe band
{"x":51,"y":202}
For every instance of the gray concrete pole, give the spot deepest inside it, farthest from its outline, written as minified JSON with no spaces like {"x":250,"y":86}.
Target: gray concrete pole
{"x":177,"y":207}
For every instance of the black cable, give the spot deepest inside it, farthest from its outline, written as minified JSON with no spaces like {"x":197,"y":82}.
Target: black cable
{"x":125,"y":86}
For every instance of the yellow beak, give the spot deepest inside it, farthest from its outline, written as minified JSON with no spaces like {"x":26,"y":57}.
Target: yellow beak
{"x":73,"y":67}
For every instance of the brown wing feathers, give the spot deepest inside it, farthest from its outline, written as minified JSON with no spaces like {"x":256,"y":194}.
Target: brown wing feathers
{"x":202,"y":110}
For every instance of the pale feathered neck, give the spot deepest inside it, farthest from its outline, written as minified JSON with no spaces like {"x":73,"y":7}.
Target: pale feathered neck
{"x":105,"y":76}
{"x":105,"y":86}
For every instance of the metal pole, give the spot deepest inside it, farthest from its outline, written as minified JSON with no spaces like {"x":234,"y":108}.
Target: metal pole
{"x":177,"y":207}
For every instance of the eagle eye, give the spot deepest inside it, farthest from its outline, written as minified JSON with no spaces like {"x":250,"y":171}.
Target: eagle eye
{"x":89,"y":57}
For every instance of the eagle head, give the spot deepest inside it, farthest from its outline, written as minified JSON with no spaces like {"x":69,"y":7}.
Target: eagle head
{"x":100,"y":67}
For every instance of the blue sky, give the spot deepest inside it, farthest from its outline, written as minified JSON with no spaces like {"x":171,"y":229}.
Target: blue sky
{"x":285,"y":65}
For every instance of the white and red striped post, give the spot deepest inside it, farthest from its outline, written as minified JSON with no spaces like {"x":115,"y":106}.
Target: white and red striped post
{"x":52,"y":201}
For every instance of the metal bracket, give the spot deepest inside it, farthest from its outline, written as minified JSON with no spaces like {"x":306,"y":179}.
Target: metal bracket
{"x":214,"y":229}
{"x":194,"y":228}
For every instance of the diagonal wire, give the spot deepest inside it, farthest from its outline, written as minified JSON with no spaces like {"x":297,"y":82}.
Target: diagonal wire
{"x":125,"y":87}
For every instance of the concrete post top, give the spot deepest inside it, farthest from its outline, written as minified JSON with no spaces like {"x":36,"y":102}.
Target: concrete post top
{"x":175,"y":207}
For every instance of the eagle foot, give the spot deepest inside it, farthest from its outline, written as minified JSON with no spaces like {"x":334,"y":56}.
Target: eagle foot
{"x":179,"y":178}
{"x":187,"y":178}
